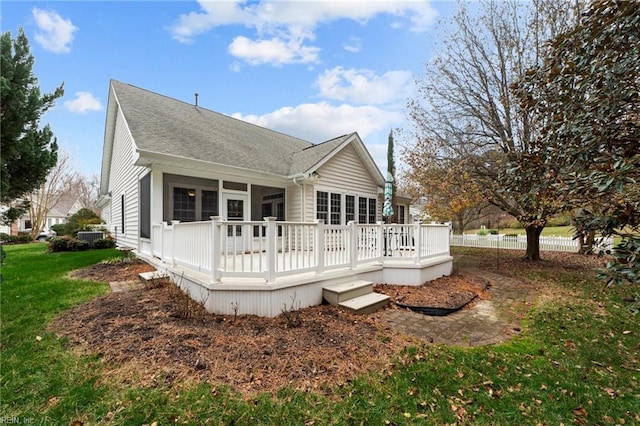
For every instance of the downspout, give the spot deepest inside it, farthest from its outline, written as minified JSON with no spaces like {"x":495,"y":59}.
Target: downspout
{"x":302,"y":193}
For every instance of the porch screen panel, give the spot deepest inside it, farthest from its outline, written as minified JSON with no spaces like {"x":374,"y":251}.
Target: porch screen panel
{"x":209,"y":204}
{"x":145,"y":206}
{"x":184,"y":204}
{"x":322,"y":206}
{"x":336,"y":208}
{"x":350,"y":208}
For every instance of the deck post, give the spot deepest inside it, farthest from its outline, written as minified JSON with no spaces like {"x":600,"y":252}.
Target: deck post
{"x":418,"y":242}
{"x":163,"y":228}
{"x":272,"y":249}
{"x":173,"y":241}
{"x":353,"y":244}
{"x":319,"y":245}
{"x":381,"y":241}
{"x":216,"y":249}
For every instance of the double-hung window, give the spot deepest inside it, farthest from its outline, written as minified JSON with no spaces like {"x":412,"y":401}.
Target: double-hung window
{"x":350,"y":208}
{"x":336,"y":208}
{"x":362,"y":210}
{"x":322,"y":206}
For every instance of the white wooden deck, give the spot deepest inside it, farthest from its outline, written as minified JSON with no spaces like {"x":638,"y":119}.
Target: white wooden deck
{"x":258,"y":267}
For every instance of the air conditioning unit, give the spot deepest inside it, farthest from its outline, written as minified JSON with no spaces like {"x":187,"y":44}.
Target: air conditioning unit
{"x":90,"y":236}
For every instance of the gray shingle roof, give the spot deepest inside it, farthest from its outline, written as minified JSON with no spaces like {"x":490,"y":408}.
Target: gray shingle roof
{"x":163,"y":125}
{"x":304,"y":160}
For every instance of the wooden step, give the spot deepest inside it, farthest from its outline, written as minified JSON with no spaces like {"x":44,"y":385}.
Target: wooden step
{"x":366,"y":304}
{"x":337,"y":293}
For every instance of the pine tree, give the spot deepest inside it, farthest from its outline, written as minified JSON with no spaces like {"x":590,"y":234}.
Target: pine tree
{"x":28,"y":150}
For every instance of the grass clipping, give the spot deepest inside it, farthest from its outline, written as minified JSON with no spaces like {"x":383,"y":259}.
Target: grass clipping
{"x":154,"y":335}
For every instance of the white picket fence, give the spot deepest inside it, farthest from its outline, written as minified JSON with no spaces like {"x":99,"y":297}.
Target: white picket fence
{"x":519,"y":242}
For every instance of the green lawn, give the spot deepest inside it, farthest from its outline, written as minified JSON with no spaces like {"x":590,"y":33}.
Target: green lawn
{"x":576,"y":362}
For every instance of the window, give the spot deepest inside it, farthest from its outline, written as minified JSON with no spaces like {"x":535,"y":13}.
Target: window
{"x":235,"y":186}
{"x":362,"y":210}
{"x":235,"y":211}
{"x":145,"y":206}
{"x":372,"y":210}
{"x":336,"y":208}
{"x":329,"y":207}
{"x":350,"y":208}
{"x":322,"y":206}
{"x":122,"y":213}
{"x":184,"y":204}
{"x":401,"y":216}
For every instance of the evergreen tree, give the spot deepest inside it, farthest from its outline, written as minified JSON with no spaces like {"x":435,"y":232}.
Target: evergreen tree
{"x":28,"y":151}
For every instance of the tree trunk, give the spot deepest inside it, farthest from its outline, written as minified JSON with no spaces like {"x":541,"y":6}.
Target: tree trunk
{"x":533,"y":242}
{"x":587,"y":240}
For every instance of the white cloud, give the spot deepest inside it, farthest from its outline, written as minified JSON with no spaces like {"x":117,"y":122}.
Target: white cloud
{"x":83,"y":102}
{"x":54,"y":32}
{"x":364,"y":86}
{"x":273,"y":51}
{"x":353,"y":45}
{"x":322,"y":121}
{"x":283,"y":27}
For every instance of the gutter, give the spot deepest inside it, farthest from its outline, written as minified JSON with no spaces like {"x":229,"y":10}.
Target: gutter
{"x":300,"y":180}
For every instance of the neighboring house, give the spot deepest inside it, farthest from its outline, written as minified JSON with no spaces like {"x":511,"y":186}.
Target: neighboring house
{"x":165,"y":160}
{"x":65,"y":207}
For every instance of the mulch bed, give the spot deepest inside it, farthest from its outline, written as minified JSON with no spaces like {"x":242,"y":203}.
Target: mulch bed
{"x":118,"y":270}
{"x":452,"y":292}
{"x":158,"y":335}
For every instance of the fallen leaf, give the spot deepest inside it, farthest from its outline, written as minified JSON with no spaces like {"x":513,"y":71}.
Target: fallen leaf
{"x":579,"y":411}
{"x":38,"y":338}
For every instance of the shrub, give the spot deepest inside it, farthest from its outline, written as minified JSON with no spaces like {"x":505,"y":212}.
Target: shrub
{"x":16,"y":239}
{"x":104,"y":243}
{"x":79,"y":245}
{"x":61,"y":229}
{"x":67,"y":243}
{"x":493,"y":231}
{"x":481,"y":232}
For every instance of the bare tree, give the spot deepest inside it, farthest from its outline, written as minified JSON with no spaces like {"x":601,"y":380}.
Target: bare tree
{"x":43,"y":200}
{"x":466,"y":111}
{"x":87,"y":189}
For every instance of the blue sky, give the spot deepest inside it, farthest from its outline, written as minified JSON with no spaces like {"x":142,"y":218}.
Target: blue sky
{"x":311,"y":69}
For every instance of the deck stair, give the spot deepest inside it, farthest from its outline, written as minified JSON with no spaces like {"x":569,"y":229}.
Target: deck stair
{"x":355,"y":296}
{"x":146,"y":277}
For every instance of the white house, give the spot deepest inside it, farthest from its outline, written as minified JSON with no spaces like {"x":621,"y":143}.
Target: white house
{"x":169,"y":167}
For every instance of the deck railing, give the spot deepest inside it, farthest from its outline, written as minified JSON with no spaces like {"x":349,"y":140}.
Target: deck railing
{"x":271,"y":249}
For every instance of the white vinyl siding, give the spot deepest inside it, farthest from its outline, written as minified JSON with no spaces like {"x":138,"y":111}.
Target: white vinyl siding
{"x":295,"y":203}
{"x":124,"y":182}
{"x":345,"y":173}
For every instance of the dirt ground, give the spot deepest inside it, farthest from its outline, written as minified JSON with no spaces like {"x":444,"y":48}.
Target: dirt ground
{"x":158,"y":335}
